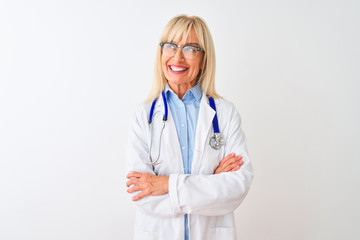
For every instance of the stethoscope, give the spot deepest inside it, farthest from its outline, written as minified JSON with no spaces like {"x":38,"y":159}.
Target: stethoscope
{"x":215,"y":142}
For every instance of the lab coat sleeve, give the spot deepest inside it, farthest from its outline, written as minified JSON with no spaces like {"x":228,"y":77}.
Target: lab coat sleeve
{"x":218,"y":194}
{"x":137,"y":152}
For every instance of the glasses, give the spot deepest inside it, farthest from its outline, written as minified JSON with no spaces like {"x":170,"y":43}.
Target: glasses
{"x":189,"y":52}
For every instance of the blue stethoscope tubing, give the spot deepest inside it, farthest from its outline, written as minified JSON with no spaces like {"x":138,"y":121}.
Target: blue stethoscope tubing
{"x":215,"y":119}
{"x":216,"y":141}
{"x":153,"y":107}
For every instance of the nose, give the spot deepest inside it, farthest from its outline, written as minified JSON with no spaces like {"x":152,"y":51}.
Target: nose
{"x":178,"y":54}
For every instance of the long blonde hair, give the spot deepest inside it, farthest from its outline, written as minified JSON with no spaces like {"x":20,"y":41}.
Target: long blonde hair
{"x":179,"y":28}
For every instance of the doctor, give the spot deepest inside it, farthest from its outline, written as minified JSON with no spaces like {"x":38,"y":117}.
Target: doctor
{"x":188,"y":167}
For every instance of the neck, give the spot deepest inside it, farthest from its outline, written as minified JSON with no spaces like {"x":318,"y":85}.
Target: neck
{"x":181,"y":89}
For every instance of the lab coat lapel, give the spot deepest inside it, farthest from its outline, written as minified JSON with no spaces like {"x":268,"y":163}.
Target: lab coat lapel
{"x":204,"y":125}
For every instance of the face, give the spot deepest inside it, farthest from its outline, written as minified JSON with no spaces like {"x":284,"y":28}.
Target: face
{"x":180,"y":71}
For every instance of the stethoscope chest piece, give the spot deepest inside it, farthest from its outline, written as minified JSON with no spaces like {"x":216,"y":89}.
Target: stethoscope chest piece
{"x":216,"y":141}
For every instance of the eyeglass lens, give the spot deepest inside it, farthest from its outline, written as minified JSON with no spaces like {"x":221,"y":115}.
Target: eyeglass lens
{"x":170,"y":50}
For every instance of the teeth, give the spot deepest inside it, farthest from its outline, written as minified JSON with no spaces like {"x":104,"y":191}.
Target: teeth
{"x":177,"y":69}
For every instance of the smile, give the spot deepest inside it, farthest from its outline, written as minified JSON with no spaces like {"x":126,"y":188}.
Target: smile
{"x":177,"y":69}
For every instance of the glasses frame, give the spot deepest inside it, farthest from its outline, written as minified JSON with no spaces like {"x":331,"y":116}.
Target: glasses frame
{"x":198,"y":49}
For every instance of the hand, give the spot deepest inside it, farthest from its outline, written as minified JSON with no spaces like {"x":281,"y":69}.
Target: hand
{"x":229,"y":163}
{"x":148,"y":184}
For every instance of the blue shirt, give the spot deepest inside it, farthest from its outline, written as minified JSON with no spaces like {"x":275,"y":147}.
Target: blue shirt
{"x":185,"y":113}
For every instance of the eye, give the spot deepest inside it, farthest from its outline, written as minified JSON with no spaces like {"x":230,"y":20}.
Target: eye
{"x":190,"y":49}
{"x":170,"y":46}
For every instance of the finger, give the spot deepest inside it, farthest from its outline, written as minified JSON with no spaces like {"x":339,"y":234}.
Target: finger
{"x":230,"y":161}
{"x":233,"y":159}
{"x":219,"y":169}
{"x":135,"y":188}
{"x":223,"y":168}
{"x":235,"y":169}
{"x":225,"y":159}
{"x":139,"y":196}
{"x":229,"y":156}
{"x":132,"y":181}
{"x":228,"y":168}
{"x":231,"y":166}
{"x":226,"y":165}
{"x":134,"y":174}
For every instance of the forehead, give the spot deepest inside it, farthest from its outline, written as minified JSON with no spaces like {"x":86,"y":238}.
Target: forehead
{"x":183,"y":36}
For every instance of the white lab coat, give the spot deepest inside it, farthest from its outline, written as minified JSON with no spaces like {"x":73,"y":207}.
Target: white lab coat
{"x":208,"y":199}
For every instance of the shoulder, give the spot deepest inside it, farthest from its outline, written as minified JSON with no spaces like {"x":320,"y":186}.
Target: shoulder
{"x":226,"y":110}
{"x":224,"y":105}
{"x":140,"y":115}
{"x":141,"y":112}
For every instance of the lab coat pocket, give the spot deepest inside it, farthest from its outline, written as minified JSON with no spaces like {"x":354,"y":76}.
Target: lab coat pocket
{"x":221,"y":233}
{"x":146,"y":235}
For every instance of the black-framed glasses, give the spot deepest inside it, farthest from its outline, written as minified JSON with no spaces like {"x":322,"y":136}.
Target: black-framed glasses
{"x":189,"y":52}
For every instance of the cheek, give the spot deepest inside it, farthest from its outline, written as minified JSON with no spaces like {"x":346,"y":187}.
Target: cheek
{"x":163,"y":67}
{"x":196,"y":68}
{"x":164,"y":64}
{"x":197,"y":65}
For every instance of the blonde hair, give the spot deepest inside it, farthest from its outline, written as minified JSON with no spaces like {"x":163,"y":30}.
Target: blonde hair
{"x":179,"y":28}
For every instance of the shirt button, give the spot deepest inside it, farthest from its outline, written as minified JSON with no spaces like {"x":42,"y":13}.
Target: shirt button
{"x":183,"y":147}
{"x":182,"y":125}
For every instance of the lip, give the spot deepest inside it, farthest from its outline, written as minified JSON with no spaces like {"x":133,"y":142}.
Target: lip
{"x":178,"y":66}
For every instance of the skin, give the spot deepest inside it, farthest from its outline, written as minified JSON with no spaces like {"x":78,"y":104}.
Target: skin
{"x":180,"y":82}
{"x":152,"y":185}
{"x":229,"y":164}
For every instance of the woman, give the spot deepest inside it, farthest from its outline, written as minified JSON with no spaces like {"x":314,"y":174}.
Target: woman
{"x":185,"y":177}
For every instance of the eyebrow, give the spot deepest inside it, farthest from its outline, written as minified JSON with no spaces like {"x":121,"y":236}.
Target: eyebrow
{"x":195,"y":44}
{"x":192,"y":44}
{"x":172,"y":41}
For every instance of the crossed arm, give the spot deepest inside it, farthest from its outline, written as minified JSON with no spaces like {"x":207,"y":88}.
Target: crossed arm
{"x":182,"y":193}
{"x":152,"y":185}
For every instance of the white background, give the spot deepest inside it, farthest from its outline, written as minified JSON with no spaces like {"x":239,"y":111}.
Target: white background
{"x":72,"y":72}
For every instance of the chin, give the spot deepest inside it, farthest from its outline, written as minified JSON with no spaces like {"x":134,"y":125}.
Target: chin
{"x":178,"y":81}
